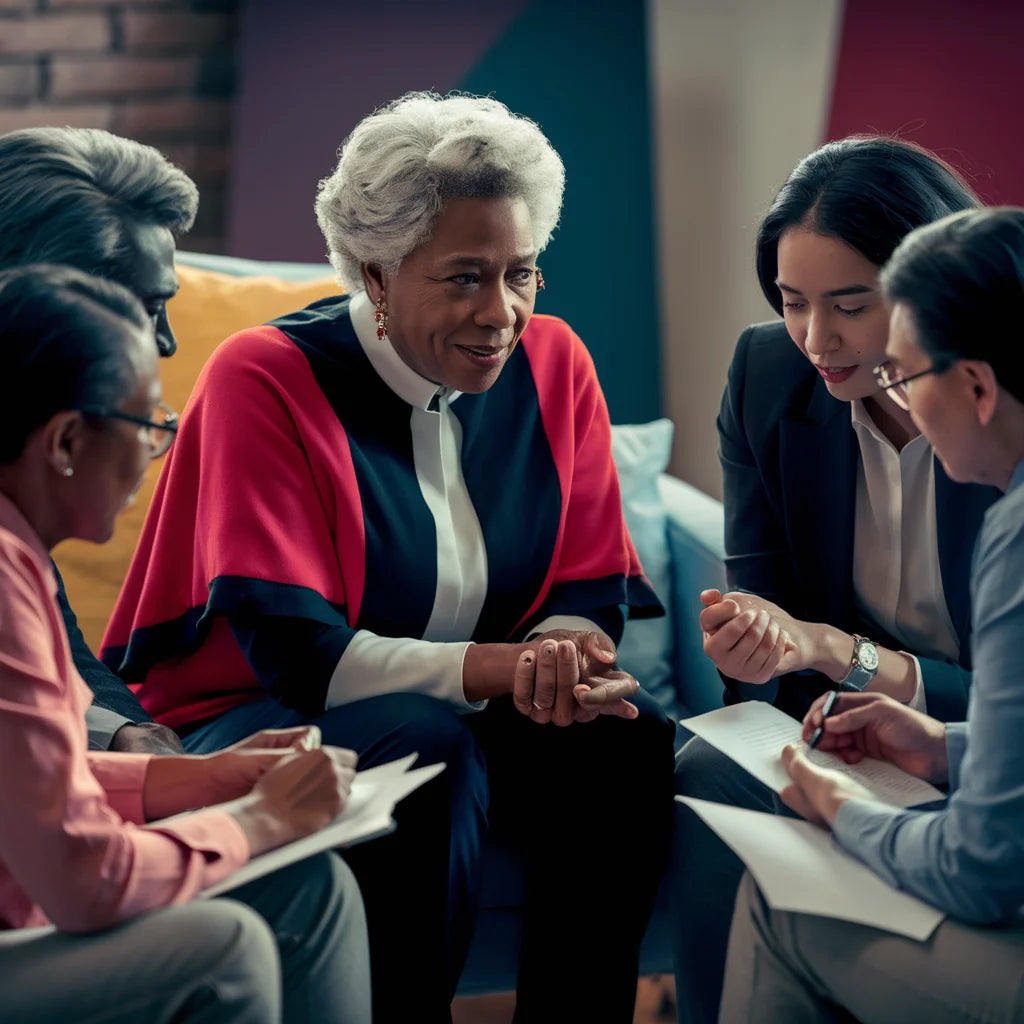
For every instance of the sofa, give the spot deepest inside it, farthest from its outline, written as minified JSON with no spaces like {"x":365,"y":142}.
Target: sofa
{"x":677,"y":530}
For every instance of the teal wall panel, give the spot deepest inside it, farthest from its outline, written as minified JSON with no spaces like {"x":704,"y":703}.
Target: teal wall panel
{"x":580,"y":71}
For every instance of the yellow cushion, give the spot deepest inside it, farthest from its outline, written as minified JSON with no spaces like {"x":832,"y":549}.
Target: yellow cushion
{"x":208,"y":308}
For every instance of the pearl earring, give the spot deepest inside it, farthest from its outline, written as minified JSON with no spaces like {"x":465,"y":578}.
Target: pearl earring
{"x":68,"y":471}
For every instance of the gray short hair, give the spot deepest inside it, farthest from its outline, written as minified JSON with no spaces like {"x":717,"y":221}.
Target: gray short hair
{"x":66,"y":195}
{"x":404,"y":160}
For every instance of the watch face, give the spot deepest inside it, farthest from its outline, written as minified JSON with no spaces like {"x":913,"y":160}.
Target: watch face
{"x":867,"y":655}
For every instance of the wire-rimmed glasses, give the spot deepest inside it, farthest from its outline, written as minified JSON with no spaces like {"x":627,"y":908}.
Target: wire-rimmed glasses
{"x":160,"y":434}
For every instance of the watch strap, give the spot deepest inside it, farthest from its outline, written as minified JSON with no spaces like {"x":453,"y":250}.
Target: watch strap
{"x":859,"y":675}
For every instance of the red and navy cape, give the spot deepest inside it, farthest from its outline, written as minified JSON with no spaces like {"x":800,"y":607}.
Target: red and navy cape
{"x":290,"y":497}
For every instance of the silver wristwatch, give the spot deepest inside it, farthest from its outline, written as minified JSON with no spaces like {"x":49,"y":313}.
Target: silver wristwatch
{"x":863,"y":664}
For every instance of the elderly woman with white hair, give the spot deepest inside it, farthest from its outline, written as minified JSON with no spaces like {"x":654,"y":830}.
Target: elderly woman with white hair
{"x":395,"y":514}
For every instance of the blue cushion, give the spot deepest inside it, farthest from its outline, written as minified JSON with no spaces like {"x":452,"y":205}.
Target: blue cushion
{"x":641,"y":454}
{"x":695,"y":528}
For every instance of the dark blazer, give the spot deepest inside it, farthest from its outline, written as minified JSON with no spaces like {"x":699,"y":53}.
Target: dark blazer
{"x":789,"y":461}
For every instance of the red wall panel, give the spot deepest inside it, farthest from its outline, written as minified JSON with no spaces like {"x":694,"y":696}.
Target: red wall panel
{"x":948,"y":74}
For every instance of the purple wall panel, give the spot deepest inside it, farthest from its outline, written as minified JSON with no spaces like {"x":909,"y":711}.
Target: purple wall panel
{"x":309,"y":70}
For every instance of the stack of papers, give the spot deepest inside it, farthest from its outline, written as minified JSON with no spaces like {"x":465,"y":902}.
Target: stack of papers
{"x":753,"y":734}
{"x":798,"y":866}
{"x":366,"y":815}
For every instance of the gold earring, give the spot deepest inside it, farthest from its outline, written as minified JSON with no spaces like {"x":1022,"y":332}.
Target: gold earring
{"x":380,"y":314}
{"x":540,"y":279}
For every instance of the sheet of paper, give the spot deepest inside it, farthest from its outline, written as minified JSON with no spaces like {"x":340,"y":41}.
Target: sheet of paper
{"x":800,"y":867}
{"x":754,"y":732}
{"x":367,"y":814}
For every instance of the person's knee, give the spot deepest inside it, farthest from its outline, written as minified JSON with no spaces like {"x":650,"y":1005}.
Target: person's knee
{"x":436,"y":732}
{"x":241,"y":957}
{"x":650,"y":709}
{"x":703,"y":771}
{"x":336,"y":888}
{"x":396,"y":724}
{"x":304,"y":895}
{"x":391,"y":726}
{"x":229,"y":925}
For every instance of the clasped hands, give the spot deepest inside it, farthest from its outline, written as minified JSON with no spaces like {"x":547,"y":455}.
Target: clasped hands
{"x":568,"y":676}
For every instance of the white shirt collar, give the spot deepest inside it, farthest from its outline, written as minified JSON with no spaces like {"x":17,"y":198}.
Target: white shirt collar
{"x":862,"y":421}
{"x":391,"y":368}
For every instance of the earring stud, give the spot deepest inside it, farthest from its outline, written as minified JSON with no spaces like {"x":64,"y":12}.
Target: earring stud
{"x":68,"y":471}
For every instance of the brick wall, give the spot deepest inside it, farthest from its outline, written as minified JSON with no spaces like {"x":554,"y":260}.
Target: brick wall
{"x":160,"y":71}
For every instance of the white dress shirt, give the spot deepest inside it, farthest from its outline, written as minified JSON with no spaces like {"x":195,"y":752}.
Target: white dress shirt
{"x":897,"y":579}
{"x":374,"y":664}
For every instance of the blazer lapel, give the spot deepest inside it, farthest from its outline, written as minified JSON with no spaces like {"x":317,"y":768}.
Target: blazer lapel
{"x":818,"y":467}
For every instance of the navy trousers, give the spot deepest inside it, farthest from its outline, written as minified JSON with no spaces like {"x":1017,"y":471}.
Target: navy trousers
{"x":588,"y":808}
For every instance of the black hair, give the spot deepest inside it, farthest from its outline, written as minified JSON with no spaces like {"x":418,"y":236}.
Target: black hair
{"x":67,"y":194}
{"x":64,"y":344}
{"x":868,"y":191}
{"x":963,"y":280}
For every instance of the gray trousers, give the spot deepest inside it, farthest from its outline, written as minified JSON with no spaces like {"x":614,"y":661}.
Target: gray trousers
{"x":291,"y":946}
{"x":797,"y":968}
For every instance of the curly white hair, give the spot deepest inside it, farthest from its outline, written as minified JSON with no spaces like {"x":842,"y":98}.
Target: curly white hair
{"x":405,"y":159}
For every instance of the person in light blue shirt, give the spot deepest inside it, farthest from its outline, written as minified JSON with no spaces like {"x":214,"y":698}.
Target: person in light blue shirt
{"x":956,"y":363}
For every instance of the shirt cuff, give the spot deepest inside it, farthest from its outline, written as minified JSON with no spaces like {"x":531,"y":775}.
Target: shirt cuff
{"x":215,"y":834}
{"x":373,"y":665}
{"x":123,"y":778}
{"x":857,"y":819}
{"x":956,"y":747}
{"x":919,"y":702}
{"x":102,"y":724}
{"x":576,"y":623}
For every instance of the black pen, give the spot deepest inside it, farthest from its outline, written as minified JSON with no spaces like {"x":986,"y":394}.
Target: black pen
{"x":826,"y":710}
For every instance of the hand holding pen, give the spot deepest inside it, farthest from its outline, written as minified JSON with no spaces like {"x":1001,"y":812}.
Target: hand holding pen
{"x":830,"y":705}
{"x":871,"y":724}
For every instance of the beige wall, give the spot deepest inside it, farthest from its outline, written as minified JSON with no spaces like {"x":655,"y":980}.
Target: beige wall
{"x":740,"y":91}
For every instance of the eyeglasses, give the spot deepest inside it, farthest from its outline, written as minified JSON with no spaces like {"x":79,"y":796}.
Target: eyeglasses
{"x":897,"y":387}
{"x":159,"y":435}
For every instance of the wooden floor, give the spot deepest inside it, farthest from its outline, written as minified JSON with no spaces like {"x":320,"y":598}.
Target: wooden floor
{"x":655,"y":1004}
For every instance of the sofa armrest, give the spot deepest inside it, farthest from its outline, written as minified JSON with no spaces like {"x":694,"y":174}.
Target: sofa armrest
{"x":695,"y":526}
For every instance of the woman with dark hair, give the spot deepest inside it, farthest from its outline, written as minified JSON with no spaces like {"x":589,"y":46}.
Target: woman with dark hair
{"x":954,"y":365}
{"x":833,"y":583}
{"x":77,"y":430}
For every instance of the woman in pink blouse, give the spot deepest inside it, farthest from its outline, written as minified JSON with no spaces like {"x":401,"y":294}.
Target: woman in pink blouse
{"x":79,"y":422}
